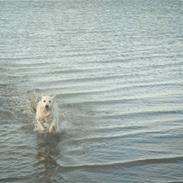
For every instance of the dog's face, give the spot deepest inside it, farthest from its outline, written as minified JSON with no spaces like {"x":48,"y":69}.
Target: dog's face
{"x":47,"y":102}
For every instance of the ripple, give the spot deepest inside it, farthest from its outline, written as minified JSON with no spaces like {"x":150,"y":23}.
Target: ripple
{"x":17,"y":179}
{"x":116,"y":71}
{"x":127,"y":164}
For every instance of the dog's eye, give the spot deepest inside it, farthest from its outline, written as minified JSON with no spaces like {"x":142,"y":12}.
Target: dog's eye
{"x":44,"y":101}
{"x":49,"y":101}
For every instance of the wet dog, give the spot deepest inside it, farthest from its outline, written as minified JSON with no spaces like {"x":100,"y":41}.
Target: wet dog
{"x":47,"y":119}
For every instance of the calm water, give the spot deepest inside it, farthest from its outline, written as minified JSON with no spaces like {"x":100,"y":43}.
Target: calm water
{"x":116,"y":68}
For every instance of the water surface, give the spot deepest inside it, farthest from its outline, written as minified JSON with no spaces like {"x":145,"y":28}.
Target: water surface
{"x":116,"y":68}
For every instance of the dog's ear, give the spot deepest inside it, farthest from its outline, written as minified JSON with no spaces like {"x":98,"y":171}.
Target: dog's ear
{"x":42,"y":96}
{"x":53,"y":97}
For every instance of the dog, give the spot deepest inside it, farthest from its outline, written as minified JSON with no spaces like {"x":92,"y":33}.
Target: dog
{"x":47,"y":119}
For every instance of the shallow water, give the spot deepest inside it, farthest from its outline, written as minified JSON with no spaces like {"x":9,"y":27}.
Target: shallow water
{"x":116,"y":69}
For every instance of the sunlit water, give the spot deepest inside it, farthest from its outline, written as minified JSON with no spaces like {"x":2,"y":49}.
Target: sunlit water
{"x":116,"y":68}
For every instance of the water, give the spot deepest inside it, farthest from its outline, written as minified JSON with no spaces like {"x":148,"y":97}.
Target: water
{"x":116,"y":68}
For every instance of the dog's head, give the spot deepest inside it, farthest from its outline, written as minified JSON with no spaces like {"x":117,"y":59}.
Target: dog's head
{"x":47,"y":102}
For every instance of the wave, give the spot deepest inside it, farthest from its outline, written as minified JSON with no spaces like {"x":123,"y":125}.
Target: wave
{"x":16,"y":179}
{"x":126,"y":164}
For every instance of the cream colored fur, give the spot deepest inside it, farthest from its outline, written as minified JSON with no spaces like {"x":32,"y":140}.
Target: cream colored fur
{"x":47,"y":119}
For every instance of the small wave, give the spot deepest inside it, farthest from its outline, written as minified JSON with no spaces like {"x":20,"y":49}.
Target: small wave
{"x":127,"y":164}
{"x":17,"y":179}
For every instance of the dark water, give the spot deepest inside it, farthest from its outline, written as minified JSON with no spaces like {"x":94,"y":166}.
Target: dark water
{"x":116,"y":68}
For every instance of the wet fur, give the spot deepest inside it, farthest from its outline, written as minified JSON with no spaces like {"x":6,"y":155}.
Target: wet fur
{"x":47,"y":117}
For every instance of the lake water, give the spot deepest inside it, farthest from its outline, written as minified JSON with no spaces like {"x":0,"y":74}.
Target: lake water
{"x":116,"y":68}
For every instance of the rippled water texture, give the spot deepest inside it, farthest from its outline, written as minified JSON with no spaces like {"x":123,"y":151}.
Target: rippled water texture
{"x":116,"y":68}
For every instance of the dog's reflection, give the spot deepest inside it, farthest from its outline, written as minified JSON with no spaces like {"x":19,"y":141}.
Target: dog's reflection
{"x":47,"y":153}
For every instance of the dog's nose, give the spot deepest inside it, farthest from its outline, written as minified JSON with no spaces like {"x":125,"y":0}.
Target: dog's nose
{"x":46,"y":106}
